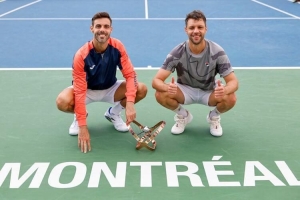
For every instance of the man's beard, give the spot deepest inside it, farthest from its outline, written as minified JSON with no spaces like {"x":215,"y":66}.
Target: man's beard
{"x":100,"y":40}
{"x":196,"y":43}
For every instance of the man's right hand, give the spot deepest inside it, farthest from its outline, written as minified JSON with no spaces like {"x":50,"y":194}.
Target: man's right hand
{"x":84,"y":142}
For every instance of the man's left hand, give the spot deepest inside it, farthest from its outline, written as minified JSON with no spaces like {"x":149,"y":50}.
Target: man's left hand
{"x":219,"y":90}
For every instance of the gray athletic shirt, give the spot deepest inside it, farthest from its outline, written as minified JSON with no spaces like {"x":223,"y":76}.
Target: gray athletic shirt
{"x":198,"y":71}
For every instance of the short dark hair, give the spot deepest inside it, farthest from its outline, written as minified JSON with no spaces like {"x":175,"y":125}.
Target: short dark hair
{"x":196,"y":15}
{"x":100,"y":15}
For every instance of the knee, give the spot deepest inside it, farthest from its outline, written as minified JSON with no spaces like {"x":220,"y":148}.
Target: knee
{"x":60,"y":103}
{"x":142,"y":91}
{"x":63,"y":104}
{"x":159,"y":97}
{"x":231,"y":100}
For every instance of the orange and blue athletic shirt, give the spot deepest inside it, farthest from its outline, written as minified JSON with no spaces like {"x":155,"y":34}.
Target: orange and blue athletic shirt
{"x":97,"y":71}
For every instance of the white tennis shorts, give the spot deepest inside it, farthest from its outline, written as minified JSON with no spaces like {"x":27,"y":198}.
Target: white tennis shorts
{"x":194,"y":95}
{"x":102,"y":95}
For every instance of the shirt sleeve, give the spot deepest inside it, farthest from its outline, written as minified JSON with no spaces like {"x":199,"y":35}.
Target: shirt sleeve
{"x":223,"y":63}
{"x":128,"y":72}
{"x":173,"y":57}
{"x":80,"y":88}
{"x":224,"y":66}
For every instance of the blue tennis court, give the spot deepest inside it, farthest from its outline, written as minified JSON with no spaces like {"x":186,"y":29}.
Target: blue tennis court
{"x":45,"y":34}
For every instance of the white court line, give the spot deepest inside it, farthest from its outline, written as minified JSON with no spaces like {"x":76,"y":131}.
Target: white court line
{"x":141,"y":68}
{"x":29,"y":4}
{"x":2,"y":1}
{"x":146,"y":9}
{"x":293,"y":1}
{"x":276,"y":9}
{"x":154,"y":19}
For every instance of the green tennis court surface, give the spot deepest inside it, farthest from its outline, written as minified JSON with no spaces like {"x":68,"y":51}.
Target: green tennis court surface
{"x":256,"y":158}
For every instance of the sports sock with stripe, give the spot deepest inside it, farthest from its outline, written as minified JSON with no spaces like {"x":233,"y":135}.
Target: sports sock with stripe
{"x":214,"y":113}
{"x":181,"y":111}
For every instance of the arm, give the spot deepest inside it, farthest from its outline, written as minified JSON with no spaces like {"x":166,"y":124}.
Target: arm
{"x":226,"y":71}
{"x":131,"y":82}
{"x":131,"y":86}
{"x":131,"y":89}
{"x":158,"y":82}
{"x":128,"y":73}
{"x":231,"y":83}
{"x":80,"y":88}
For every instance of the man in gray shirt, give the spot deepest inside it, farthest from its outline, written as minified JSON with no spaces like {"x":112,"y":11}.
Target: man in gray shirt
{"x":196,"y":61}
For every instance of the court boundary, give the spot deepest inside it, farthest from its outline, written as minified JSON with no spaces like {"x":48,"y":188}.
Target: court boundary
{"x":147,"y":12}
{"x":276,"y":9}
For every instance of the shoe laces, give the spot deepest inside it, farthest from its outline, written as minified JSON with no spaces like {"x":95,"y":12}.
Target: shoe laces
{"x":180,"y":122}
{"x":215,"y":122}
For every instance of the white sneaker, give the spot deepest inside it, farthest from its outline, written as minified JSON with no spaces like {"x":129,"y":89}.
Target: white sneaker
{"x":74,"y":129}
{"x":180,"y":123}
{"x":116,"y":120}
{"x":215,"y":125}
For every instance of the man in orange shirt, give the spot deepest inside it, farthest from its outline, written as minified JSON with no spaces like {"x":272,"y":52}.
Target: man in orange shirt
{"x":94,"y":80}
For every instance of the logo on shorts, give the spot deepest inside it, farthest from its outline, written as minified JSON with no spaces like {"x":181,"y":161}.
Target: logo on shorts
{"x":207,"y":64}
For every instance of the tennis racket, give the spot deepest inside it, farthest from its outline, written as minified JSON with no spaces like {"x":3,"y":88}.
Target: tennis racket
{"x":145,"y":135}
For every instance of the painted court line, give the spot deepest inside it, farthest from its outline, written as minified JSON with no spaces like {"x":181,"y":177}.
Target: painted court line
{"x":154,"y":19}
{"x":146,"y":9}
{"x":141,"y":68}
{"x":26,"y":5}
{"x":294,"y":2}
{"x":2,"y":1}
{"x":276,"y":9}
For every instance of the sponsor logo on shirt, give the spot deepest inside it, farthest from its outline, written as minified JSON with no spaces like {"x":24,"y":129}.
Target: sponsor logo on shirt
{"x":92,"y":67}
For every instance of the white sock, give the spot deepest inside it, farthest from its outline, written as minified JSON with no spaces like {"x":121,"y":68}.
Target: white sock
{"x":181,"y":111}
{"x":117,"y":109}
{"x":214,"y":113}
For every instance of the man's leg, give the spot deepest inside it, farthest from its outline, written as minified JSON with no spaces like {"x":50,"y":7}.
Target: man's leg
{"x":221,"y":106}
{"x":65,"y":103}
{"x":174,"y":103}
{"x":119,"y":94}
{"x":113,"y":113}
{"x":65,"y":100}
